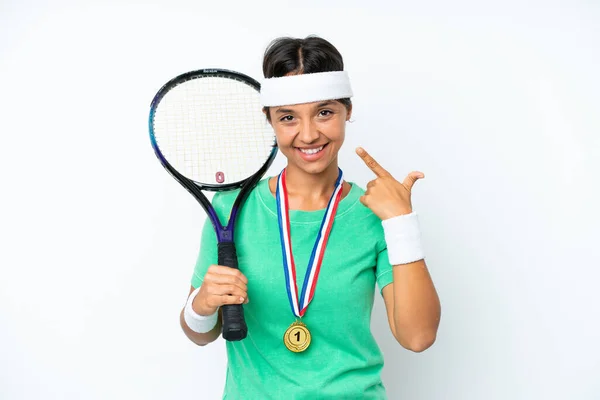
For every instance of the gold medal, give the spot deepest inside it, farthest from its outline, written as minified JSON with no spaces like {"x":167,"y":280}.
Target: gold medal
{"x":297,"y":337}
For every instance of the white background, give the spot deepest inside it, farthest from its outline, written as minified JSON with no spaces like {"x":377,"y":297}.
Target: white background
{"x":497,"y":102}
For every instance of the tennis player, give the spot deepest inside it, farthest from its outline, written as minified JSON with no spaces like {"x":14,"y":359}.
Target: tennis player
{"x":312,"y":249}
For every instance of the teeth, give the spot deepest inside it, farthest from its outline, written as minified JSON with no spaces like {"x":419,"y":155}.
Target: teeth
{"x":312,"y":151}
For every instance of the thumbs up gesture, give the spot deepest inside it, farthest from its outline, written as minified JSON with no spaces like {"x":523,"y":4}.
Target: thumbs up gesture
{"x":385,"y":196}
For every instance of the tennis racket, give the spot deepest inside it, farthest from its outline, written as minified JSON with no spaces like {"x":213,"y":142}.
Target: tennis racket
{"x":208,"y":130}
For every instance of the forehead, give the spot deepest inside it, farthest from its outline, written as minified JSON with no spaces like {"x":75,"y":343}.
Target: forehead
{"x":307,"y":106}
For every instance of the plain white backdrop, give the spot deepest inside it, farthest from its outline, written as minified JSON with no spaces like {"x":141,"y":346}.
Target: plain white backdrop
{"x":497,"y":102}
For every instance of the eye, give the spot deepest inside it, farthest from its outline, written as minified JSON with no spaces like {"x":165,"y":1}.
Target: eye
{"x":325,"y":113}
{"x":286,"y":118}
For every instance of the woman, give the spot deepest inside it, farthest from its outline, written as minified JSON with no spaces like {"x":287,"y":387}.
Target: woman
{"x":307,"y":225}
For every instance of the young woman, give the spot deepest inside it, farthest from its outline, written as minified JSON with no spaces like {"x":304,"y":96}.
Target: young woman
{"x":312,"y":247}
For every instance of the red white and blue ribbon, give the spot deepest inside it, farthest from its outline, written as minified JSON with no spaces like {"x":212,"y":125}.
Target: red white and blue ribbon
{"x":316,"y":258}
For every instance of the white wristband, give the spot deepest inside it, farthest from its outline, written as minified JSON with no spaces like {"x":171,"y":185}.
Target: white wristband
{"x":403,"y":239}
{"x":198,"y":323}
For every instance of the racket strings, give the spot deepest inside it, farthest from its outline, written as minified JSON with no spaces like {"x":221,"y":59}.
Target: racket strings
{"x":211,"y":128}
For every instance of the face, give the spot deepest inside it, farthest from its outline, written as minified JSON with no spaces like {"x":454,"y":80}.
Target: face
{"x":310,"y":135}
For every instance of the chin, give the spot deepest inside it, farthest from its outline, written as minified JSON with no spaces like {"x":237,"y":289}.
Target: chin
{"x":317,"y":167}
{"x":313,"y":169}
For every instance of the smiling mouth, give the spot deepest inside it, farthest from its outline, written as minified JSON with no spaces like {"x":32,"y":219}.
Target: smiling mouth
{"x":313,"y":150}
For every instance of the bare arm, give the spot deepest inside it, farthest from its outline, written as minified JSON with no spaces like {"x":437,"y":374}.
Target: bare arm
{"x":413,"y":307}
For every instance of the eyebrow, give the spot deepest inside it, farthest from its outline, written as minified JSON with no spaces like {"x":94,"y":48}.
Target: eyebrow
{"x":287,"y":110}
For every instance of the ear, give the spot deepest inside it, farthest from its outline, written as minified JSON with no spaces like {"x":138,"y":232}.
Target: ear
{"x":349,"y":113}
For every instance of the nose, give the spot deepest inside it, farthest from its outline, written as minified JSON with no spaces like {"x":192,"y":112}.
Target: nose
{"x":308,"y":132}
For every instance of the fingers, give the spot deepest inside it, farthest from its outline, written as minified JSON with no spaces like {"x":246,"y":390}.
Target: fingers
{"x":213,"y":296}
{"x":222,"y":285}
{"x":363,"y":200}
{"x":371,"y":163}
{"x":410,"y":180}
{"x":213,"y":302}
{"x":228,"y":300}
{"x":222,"y":280}
{"x":226,"y":289}
{"x":221,"y":275}
{"x":224,"y":270}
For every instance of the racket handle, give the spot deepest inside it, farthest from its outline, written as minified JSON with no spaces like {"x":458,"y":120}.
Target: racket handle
{"x":234,"y":325}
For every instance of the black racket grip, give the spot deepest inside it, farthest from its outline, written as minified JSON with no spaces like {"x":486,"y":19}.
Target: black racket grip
{"x":234,"y":325}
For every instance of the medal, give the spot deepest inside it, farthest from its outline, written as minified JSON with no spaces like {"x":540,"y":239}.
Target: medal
{"x":297,"y":337}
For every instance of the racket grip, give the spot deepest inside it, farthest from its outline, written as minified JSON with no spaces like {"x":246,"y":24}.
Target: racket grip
{"x":234,"y":325}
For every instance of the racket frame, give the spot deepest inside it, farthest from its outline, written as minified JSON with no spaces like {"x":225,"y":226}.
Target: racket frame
{"x":225,"y":233}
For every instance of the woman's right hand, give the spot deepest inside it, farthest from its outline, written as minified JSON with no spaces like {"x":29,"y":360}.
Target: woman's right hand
{"x":222,"y":285}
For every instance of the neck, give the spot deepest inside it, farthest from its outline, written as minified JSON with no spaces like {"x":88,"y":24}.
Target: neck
{"x":309,"y":192}
{"x":311,"y":186}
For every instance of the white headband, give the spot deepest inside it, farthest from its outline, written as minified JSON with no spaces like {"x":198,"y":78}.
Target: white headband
{"x":305,"y":88}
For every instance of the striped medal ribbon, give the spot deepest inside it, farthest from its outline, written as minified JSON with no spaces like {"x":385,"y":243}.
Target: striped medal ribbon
{"x":297,"y":337}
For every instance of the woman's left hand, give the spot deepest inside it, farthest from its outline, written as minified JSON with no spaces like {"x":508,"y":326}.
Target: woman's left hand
{"x":385,"y":196}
